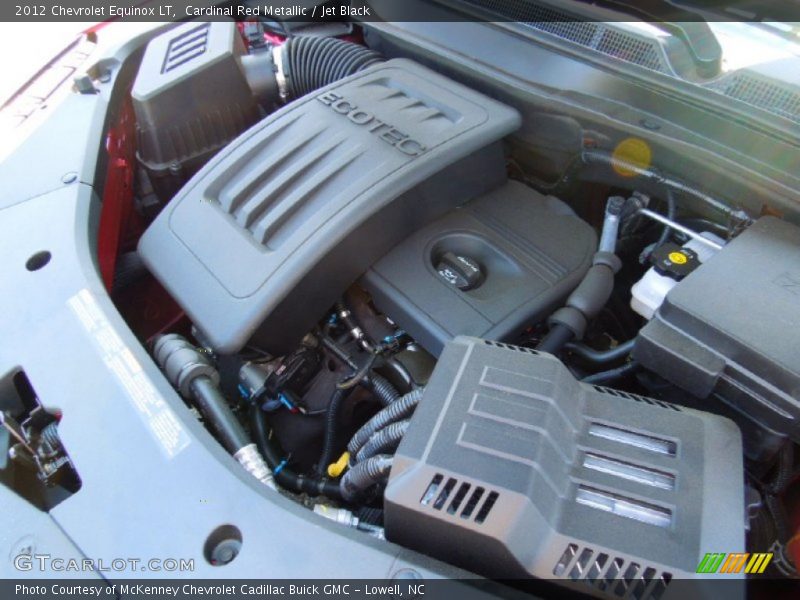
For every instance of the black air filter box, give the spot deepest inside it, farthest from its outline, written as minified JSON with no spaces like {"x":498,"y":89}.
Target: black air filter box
{"x":513,"y":468}
{"x":266,"y":237}
{"x":729,"y":331}
{"x":191,"y":97}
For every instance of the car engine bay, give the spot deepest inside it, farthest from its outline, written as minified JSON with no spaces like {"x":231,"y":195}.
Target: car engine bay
{"x":353,"y":260}
{"x":380,"y":310}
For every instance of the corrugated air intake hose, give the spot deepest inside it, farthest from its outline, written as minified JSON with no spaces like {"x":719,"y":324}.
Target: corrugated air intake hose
{"x":310,"y":63}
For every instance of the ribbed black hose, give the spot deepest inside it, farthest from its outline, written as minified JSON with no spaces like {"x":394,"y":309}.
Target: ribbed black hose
{"x":784,"y":472}
{"x":397,"y":411}
{"x":779,"y":517}
{"x":384,"y":391}
{"x":385,"y":441}
{"x":286,"y":477}
{"x":331,"y":425}
{"x":314,"y":62}
{"x":364,"y":475}
{"x":129,"y":269}
{"x":49,"y":434}
{"x":612,"y":374}
{"x":600,"y":357}
{"x":556,"y":339}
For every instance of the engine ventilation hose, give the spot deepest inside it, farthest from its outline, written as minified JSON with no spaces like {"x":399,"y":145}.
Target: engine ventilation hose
{"x":308,"y":63}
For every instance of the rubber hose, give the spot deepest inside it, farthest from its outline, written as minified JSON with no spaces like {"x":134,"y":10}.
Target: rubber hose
{"x":283,"y":475}
{"x":608,"y":159}
{"x":364,"y":475}
{"x":214,"y":408}
{"x":314,"y":62}
{"x":338,"y":352}
{"x":397,"y":411}
{"x":785,"y":471}
{"x":778,"y":512}
{"x":49,"y":439}
{"x":600,"y":357}
{"x":129,"y":269}
{"x":384,"y":441}
{"x":360,"y":377}
{"x":612,"y":374}
{"x":402,"y":373}
{"x":556,"y":339}
{"x":672,"y":210}
{"x":384,"y":391}
{"x":331,"y":426}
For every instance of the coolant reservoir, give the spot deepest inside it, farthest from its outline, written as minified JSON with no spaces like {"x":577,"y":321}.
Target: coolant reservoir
{"x":649,"y":292}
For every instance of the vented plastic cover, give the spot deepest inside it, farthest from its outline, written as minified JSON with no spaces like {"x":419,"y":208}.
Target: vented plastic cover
{"x":509,"y":461}
{"x":191,"y":98}
{"x":773,"y":86}
{"x":307,"y":199}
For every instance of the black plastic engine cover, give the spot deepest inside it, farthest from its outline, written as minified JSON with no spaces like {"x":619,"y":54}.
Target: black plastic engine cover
{"x":272,"y":230}
{"x":532,"y":251}
{"x":513,"y":468}
{"x":729,"y":331}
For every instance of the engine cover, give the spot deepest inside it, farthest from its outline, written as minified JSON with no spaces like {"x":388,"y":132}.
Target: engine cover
{"x":271,"y":231}
{"x":513,"y":468}
{"x":725,"y":332}
{"x":531,"y":250}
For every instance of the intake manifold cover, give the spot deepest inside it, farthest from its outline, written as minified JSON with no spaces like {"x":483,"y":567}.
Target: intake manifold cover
{"x":297,"y":207}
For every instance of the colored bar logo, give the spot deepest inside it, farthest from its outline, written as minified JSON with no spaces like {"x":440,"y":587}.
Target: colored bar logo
{"x":720,"y":562}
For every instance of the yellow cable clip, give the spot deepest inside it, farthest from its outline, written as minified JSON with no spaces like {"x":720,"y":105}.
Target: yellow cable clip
{"x":337,"y":468}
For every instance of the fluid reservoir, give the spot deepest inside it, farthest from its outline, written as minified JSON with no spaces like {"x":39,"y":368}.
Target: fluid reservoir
{"x":671,"y":263}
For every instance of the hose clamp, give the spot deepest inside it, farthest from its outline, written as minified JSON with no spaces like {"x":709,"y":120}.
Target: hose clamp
{"x":280,"y":73}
